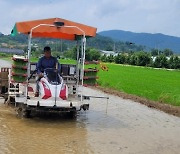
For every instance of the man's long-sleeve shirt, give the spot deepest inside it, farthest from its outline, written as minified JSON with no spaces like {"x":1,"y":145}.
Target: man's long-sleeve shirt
{"x":44,"y":63}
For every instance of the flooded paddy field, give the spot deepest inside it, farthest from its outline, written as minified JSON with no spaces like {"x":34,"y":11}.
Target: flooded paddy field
{"x":127,"y":127}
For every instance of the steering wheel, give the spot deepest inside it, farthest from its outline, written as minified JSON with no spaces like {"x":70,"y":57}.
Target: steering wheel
{"x":32,"y":74}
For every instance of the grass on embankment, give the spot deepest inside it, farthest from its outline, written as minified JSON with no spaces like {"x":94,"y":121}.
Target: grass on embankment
{"x":158,"y":85}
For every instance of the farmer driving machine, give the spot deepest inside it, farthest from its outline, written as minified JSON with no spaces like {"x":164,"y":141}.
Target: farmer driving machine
{"x":58,"y":92}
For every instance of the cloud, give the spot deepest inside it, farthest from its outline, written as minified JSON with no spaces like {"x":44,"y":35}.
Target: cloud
{"x":153,"y":16}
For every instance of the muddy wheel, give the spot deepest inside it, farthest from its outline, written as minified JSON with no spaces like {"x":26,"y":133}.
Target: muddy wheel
{"x":73,"y":114}
{"x":26,"y":113}
{"x":6,"y":100}
{"x":19,"y":111}
{"x":23,"y":112}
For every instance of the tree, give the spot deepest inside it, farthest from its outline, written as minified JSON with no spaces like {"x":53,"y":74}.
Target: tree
{"x":109,"y":48}
{"x":171,"y":62}
{"x":110,"y":58}
{"x":120,"y":59}
{"x":167,"y":52}
{"x":127,"y":60}
{"x":104,"y":58}
{"x":143,"y":59}
{"x":161,"y":62}
{"x":133,"y":59}
{"x":174,"y":62}
{"x":154,"y":52}
{"x":92,"y":54}
{"x":72,"y":53}
{"x":61,"y":47}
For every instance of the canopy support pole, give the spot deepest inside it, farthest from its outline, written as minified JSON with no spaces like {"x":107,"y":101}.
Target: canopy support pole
{"x":77,"y":68}
{"x":83,"y":49}
{"x":28,"y":57}
{"x":29,"y":53}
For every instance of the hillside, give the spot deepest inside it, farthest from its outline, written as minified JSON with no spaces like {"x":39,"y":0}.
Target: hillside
{"x":99,"y":42}
{"x":158,"y":40}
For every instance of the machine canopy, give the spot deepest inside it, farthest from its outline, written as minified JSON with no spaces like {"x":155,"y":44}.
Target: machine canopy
{"x":62,"y":29}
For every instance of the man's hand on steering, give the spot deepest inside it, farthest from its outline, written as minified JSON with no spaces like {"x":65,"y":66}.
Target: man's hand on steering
{"x":40,"y":75}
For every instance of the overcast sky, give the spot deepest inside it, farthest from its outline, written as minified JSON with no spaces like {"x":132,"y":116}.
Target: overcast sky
{"x":151,"y":16}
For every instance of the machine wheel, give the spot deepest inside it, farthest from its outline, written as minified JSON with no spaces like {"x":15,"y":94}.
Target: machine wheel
{"x":23,"y":112}
{"x":73,"y":114}
{"x":26,"y":113}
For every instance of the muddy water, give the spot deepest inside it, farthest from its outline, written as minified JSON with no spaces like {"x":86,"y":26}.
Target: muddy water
{"x":127,"y":127}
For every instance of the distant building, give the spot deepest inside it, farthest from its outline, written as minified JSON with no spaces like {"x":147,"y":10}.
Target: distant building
{"x":4,"y":44}
{"x":154,"y":58}
{"x":108,"y":53}
{"x":35,"y":46}
{"x":13,"y":51}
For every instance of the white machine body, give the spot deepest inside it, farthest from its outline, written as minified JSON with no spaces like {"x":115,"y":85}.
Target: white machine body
{"x":53,"y":92}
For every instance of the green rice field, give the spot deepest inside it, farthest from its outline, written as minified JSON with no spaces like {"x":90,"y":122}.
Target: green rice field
{"x":154,"y":84}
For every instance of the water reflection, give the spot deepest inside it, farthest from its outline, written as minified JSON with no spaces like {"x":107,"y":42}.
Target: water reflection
{"x":42,"y":134}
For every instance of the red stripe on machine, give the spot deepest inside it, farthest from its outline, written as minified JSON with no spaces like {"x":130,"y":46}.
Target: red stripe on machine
{"x":47,"y":92}
{"x":63,"y":93}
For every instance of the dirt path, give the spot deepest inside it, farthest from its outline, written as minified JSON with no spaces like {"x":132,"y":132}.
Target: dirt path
{"x":127,"y":127}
